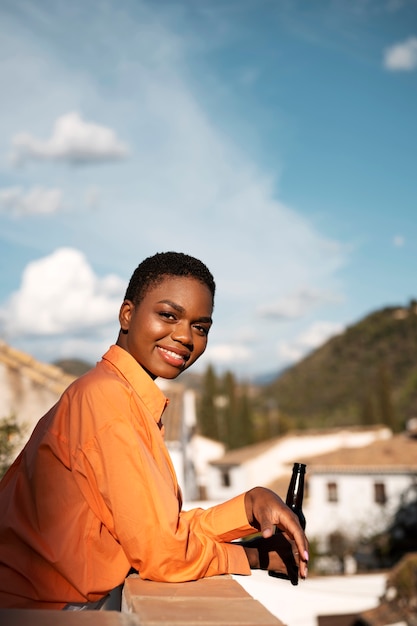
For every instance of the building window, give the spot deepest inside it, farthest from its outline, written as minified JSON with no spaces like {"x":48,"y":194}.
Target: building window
{"x":380,"y":494}
{"x":332,"y":492}
{"x":225,"y":478}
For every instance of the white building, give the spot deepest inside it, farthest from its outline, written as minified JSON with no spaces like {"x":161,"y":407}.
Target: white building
{"x":190,"y":453}
{"x":356,"y":491}
{"x":356,"y":477}
{"x":269,"y":461}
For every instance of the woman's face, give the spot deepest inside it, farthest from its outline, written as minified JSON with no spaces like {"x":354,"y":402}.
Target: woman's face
{"x":167,"y":331}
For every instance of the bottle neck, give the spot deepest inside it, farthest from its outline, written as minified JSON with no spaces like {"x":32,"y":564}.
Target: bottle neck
{"x":296,"y":487}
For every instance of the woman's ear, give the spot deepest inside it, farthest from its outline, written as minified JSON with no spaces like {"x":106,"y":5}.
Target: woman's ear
{"x":125,"y":315}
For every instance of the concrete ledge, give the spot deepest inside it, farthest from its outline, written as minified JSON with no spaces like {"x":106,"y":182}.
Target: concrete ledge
{"x":213,"y":587}
{"x":35,"y":617}
{"x":216,"y":601}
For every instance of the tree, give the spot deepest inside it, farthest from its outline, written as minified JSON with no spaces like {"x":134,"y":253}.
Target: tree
{"x":403,"y":580}
{"x":245,"y":433}
{"x":229,"y":411}
{"x":225,"y":412}
{"x":207,"y":411}
{"x":383,"y":388}
{"x":402,"y":532}
{"x":367,"y":411}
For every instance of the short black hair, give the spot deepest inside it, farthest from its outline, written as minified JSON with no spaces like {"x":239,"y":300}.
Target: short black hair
{"x":152,"y":270}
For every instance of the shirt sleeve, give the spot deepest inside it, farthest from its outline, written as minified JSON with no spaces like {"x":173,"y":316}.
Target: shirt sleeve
{"x":128,"y":482}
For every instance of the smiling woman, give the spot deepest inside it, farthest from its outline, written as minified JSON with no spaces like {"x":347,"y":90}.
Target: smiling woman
{"x":95,"y":484}
{"x":165,"y":322}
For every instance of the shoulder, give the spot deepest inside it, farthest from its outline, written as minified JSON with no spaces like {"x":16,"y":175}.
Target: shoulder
{"x":114,"y":393}
{"x":101,"y":384}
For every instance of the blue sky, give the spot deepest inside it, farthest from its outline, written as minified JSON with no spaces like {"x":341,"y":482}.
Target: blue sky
{"x":275,"y":140}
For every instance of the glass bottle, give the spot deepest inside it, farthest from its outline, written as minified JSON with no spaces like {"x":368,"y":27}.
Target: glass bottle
{"x":295,"y":492}
{"x":294,"y":500}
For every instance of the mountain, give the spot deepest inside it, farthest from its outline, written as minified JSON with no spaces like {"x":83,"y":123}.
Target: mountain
{"x":75,"y":367}
{"x":368,"y":374}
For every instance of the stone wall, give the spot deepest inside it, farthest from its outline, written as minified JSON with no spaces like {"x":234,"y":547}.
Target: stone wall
{"x":28,"y":388}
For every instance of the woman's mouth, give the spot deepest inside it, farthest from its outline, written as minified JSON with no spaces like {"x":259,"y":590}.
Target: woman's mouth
{"x":173,"y":358}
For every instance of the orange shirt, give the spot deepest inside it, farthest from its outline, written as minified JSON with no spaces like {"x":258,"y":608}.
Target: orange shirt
{"x":94,"y":492}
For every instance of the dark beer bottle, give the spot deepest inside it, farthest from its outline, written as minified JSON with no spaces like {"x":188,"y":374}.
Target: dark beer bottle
{"x":295,"y":492}
{"x":294,"y":500}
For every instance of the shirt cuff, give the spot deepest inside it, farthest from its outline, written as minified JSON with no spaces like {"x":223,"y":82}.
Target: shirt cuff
{"x":237,"y":560}
{"x":228,"y":520}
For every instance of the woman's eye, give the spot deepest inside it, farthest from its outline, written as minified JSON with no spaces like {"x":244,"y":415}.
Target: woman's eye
{"x":167,"y":315}
{"x":203,"y":330}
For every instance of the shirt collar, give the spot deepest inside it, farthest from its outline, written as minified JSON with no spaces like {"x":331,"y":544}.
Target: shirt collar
{"x":140,"y":380}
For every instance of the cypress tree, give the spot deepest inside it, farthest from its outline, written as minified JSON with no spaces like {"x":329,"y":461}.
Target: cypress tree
{"x":229,"y":412}
{"x":245,"y":432}
{"x":207,"y":411}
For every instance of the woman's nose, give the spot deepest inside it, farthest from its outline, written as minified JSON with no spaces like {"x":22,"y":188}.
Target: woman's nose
{"x":182,"y":333}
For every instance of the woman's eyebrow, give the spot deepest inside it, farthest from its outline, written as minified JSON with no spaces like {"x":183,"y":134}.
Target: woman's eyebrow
{"x":181,"y":309}
{"x":207,"y":320}
{"x":174,"y":305}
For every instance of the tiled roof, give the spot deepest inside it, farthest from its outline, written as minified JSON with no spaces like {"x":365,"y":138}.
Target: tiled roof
{"x":397,"y":453}
{"x":43,"y":374}
{"x":239,"y":456}
{"x":246,"y":453}
{"x":280,"y":484}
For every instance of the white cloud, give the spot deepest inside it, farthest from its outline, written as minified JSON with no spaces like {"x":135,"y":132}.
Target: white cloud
{"x":227,"y":354}
{"x":296,"y":304}
{"x":37,"y":200}
{"x":61,"y":294}
{"x":289,"y":353}
{"x":73,"y":140}
{"x":315,"y":336}
{"x":402,"y":56}
{"x":187,"y":186}
{"x":399,"y":241}
{"x":318,"y":333}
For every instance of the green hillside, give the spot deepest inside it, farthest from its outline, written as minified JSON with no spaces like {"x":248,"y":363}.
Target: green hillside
{"x":366,"y":375}
{"x":75,"y":367}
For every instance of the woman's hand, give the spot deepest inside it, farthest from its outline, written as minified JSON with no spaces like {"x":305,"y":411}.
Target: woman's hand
{"x":284,"y":552}
{"x":276,"y":554}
